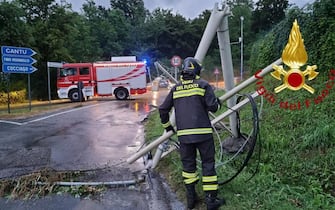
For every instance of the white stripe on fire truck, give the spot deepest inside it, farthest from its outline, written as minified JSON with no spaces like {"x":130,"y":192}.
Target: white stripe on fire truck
{"x":123,"y":77}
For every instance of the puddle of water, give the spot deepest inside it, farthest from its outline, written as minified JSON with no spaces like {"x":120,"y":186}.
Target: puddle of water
{"x":146,"y":103}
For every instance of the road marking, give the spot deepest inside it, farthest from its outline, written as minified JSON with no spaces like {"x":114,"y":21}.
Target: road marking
{"x":48,"y":116}
{"x":10,"y":122}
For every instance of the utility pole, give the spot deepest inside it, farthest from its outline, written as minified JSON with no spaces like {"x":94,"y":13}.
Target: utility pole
{"x":241,"y":41}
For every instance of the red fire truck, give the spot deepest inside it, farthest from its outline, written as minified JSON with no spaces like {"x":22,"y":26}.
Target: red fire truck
{"x":118,"y":77}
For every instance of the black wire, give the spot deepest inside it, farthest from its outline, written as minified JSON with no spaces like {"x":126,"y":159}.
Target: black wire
{"x":253,"y":137}
{"x":258,"y":158}
{"x":259,"y":146}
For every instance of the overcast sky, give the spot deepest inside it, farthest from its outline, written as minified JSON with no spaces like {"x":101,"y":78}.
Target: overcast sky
{"x":187,"y":8}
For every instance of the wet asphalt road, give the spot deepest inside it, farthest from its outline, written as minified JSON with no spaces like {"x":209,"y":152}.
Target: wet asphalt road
{"x":93,"y":135}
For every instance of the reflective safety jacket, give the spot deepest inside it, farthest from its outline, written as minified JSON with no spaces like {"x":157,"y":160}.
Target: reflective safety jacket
{"x":191,"y":99}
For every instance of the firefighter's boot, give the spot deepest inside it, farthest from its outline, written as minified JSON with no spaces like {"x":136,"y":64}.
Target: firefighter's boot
{"x":191,"y":195}
{"x":213,"y":202}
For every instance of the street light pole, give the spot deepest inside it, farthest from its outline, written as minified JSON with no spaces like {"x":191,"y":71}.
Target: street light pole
{"x":242,"y":18}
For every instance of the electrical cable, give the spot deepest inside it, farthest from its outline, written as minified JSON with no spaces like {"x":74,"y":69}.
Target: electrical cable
{"x":253,"y":138}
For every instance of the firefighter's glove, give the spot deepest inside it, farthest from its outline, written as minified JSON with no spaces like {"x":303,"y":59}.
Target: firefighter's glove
{"x":170,"y":128}
{"x":219,"y":103}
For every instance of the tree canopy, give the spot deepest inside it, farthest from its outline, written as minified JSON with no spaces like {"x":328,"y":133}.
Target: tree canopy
{"x":57,"y":33}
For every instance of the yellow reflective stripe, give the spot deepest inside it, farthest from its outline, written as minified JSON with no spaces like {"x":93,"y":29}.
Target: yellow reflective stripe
{"x":186,"y":81}
{"x":189,"y":175}
{"x":209,"y":179}
{"x":190,"y":92}
{"x":165,"y":125}
{"x":194,"y":131}
{"x":210,"y":187}
{"x":190,"y":178}
{"x":189,"y":81}
{"x":190,"y":181}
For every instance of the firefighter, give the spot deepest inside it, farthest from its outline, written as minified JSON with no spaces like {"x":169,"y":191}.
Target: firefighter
{"x":192,"y":98}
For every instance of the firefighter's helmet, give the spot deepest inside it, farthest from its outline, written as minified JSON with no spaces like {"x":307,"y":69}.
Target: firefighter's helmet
{"x":191,"y":65}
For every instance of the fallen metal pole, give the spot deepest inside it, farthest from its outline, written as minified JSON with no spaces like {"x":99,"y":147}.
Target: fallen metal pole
{"x":167,"y":135}
{"x":116,"y":183}
{"x":233,"y":109}
{"x":249,"y":81}
{"x":158,"y":65}
{"x":150,"y":146}
{"x":226,"y":96}
{"x":210,"y":31}
{"x":227,"y":69}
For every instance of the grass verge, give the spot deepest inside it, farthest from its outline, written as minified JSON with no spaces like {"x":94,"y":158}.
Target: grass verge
{"x":23,"y":110}
{"x":296,"y":168}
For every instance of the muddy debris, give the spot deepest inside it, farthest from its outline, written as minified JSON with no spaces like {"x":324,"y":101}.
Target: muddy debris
{"x":80,"y":184}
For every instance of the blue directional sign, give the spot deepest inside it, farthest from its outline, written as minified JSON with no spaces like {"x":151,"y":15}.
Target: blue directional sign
{"x":16,"y":68}
{"x":15,"y":51}
{"x":17,"y":60}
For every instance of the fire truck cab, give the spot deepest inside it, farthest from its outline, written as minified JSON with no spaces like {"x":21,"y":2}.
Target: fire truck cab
{"x":121,"y":78}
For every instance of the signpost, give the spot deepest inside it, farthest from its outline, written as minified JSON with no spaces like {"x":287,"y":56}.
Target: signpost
{"x":216,"y":72}
{"x":51,"y":64}
{"x":175,"y":62}
{"x":18,"y":60}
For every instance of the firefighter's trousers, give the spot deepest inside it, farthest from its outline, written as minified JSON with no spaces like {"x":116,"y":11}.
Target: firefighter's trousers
{"x":188,"y":154}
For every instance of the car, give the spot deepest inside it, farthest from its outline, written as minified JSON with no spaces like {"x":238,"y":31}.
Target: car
{"x":163,"y":83}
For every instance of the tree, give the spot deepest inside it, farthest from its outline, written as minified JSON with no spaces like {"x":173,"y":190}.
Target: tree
{"x":13,"y":32}
{"x":13,"y":29}
{"x":133,"y":10}
{"x":267,"y":13}
{"x":318,"y":31}
{"x":36,"y":10}
{"x":135,"y":14}
{"x":108,"y":29}
{"x":81,"y":45}
{"x":52,"y":28}
{"x":171,"y":34}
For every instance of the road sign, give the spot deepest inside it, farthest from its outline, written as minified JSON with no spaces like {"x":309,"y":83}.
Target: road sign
{"x":17,"y":60}
{"x":16,"y":68}
{"x":216,"y":71}
{"x":15,"y":51}
{"x":55,"y":64}
{"x":175,"y":61}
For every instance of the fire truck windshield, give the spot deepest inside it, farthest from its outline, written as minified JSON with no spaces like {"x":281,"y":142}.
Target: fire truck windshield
{"x":67,"y":72}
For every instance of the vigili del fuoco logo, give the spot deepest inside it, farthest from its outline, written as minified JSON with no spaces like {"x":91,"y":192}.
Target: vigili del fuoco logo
{"x":294,"y":78}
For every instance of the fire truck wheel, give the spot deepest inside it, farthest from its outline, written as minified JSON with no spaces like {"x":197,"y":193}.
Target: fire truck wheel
{"x":121,"y":93}
{"x":74,"y":95}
